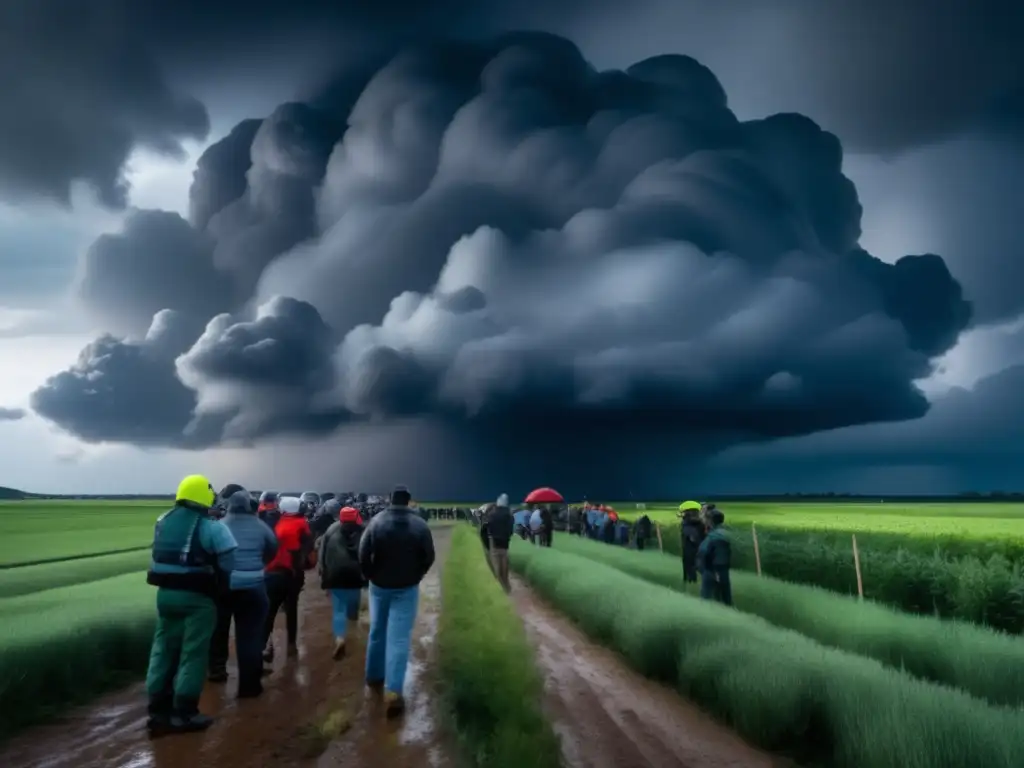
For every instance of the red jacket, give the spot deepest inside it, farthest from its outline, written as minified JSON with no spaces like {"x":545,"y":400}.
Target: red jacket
{"x":295,"y":540}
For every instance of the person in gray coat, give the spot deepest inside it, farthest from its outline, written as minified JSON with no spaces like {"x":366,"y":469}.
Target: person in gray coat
{"x":245,"y":598}
{"x":499,"y":527}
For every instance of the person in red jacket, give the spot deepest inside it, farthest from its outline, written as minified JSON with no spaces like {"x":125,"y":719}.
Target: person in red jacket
{"x":286,"y":573}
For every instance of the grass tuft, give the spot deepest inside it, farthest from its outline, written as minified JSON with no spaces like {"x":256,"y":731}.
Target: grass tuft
{"x":777,"y":688}
{"x":486,"y":666}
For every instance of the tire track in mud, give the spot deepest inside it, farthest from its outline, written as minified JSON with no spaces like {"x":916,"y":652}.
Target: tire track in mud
{"x":608,"y":716}
{"x":314,"y":711}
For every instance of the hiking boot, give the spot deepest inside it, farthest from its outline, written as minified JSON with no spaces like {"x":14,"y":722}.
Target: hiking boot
{"x":160,"y":708}
{"x":190,"y":723}
{"x":394,"y":704}
{"x":158,"y":725}
{"x":218,"y":676}
{"x":188,"y":718}
{"x":339,"y":648}
{"x":375,"y":685}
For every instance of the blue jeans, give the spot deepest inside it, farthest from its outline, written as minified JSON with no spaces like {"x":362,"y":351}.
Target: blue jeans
{"x":392,"y":614}
{"x":345,"y":608}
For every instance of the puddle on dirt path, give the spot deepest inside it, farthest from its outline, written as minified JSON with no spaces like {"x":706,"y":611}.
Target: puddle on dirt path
{"x":314,"y":711}
{"x":608,"y":716}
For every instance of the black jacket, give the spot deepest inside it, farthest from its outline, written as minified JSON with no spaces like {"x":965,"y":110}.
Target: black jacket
{"x":500,"y":524}
{"x":339,"y":565}
{"x":396,"y":550}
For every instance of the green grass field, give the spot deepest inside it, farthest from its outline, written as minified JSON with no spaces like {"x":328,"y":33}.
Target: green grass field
{"x":79,"y":620}
{"x":780,"y":689}
{"x":37,"y":531}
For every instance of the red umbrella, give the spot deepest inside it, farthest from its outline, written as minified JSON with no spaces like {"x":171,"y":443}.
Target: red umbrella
{"x":544,"y":496}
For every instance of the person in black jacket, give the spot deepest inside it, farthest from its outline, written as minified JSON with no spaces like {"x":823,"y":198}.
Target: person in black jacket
{"x":692,"y":533}
{"x":643,"y":531}
{"x":500,"y":525}
{"x":340,"y":575}
{"x":395,"y":553}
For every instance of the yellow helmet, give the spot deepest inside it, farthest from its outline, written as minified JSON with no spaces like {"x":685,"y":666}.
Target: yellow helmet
{"x":197,"y":490}
{"x":687,"y":505}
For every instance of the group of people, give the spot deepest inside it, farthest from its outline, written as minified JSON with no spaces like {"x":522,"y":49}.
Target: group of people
{"x":706,"y":550}
{"x":218,"y":558}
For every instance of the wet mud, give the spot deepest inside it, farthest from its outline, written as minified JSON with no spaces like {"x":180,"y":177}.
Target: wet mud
{"x":314,"y":711}
{"x":608,"y":716}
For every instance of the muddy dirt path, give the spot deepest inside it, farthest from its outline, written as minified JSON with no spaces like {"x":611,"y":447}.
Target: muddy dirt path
{"x":608,"y":716}
{"x":314,"y":711}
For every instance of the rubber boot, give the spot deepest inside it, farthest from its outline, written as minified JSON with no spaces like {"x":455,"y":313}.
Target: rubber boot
{"x":160,"y":709}
{"x":187,"y":717}
{"x":376,"y":686}
{"x":293,"y":651}
{"x":394,"y":704}
{"x":218,"y":675}
{"x":339,"y":648}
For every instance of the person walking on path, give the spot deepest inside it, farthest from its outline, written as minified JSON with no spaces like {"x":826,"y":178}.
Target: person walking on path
{"x":536,"y":527}
{"x":340,"y":575}
{"x":500,"y":524}
{"x":192,"y":553}
{"x":286,"y":573}
{"x":245,"y":600}
{"x":714,"y":560}
{"x":692,"y":533}
{"x":395,"y":553}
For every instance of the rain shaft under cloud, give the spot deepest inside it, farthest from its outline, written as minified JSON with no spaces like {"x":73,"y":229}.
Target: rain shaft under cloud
{"x":500,"y":239}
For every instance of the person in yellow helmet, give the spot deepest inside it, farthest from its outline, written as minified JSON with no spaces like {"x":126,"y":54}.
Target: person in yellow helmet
{"x":691,"y":531}
{"x":192,"y":554}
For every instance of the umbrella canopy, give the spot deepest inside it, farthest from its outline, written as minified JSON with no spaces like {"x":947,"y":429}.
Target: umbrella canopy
{"x":689,"y":505}
{"x":544,"y":496}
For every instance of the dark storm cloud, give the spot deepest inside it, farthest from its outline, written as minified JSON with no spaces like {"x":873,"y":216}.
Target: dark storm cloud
{"x":264,"y":374}
{"x":523,"y":248}
{"x":83,"y":84}
{"x":156,"y":262}
{"x":125,"y":390}
{"x":12,"y":414}
{"x":892,"y":75}
{"x":974,"y":436}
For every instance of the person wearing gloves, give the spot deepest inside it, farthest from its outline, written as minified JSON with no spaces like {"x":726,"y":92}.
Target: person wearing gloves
{"x":192,"y":553}
{"x":395,"y":553}
{"x":340,"y":576}
{"x":245,"y":600}
{"x":286,"y":573}
{"x":500,"y":524}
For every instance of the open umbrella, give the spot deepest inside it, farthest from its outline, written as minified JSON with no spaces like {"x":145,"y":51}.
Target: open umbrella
{"x":544,"y":496}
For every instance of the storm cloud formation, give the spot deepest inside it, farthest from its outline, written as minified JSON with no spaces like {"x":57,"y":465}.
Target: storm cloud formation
{"x":520,"y":248}
{"x":12,"y":414}
{"x":85,"y":83}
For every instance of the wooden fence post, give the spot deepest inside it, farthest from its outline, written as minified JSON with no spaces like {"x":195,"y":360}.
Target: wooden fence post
{"x":856,"y":565}
{"x":657,"y":530}
{"x":757,"y":549}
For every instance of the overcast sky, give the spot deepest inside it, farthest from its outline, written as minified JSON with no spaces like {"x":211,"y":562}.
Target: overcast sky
{"x":735,"y":247}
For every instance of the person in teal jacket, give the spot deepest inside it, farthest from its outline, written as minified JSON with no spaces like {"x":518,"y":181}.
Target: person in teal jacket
{"x":192,"y":555}
{"x":714,"y":559}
